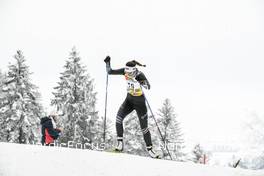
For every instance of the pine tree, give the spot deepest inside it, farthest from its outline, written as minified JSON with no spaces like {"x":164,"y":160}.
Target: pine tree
{"x":254,"y":130}
{"x":1,"y":104}
{"x":75,"y":98}
{"x":255,"y":141}
{"x":109,"y":136}
{"x":20,"y":108}
{"x":171,"y":131}
{"x":2,"y":77}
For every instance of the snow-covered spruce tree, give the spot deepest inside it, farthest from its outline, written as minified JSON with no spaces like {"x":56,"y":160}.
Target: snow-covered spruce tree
{"x":75,"y":98}
{"x":171,"y":131}
{"x":254,"y":129}
{"x":109,"y":135}
{"x":255,"y":162}
{"x":20,"y":109}
{"x":1,"y":102}
{"x":255,"y":141}
{"x":2,"y":77}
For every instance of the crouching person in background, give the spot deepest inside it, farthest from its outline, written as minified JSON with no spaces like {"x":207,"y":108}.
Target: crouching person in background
{"x":49,"y":130}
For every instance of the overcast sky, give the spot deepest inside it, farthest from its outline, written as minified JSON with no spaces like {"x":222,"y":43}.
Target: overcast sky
{"x":205,"y":55}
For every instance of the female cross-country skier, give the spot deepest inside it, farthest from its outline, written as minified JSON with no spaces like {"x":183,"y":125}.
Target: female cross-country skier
{"x":135,"y":100}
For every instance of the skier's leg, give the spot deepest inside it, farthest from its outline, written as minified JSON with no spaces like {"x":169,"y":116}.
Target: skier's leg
{"x":142,"y":113}
{"x":125,"y":109}
{"x":140,"y":106}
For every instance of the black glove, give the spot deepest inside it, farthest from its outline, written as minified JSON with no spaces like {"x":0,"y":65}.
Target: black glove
{"x":145,"y":84}
{"x":107,"y":59}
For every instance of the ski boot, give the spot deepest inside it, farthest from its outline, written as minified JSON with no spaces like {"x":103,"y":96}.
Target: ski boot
{"x":152,"y":154}
{"x":120,"y":145}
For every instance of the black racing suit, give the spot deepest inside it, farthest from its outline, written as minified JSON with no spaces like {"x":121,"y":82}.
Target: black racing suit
{"x":133,"y":103}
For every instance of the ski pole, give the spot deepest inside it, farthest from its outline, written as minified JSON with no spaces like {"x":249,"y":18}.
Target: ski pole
{"x":106,"y":91}
{"x":162,"y":137}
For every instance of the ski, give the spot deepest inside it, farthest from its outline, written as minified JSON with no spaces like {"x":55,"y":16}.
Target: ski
{"x":118,"y":151}
{"x":114,"y":151}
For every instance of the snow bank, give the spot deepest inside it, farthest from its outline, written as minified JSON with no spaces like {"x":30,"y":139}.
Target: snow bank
{"x":29,"y":160}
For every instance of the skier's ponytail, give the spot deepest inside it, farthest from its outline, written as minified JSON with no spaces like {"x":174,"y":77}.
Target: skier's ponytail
{"x":137,"y":63}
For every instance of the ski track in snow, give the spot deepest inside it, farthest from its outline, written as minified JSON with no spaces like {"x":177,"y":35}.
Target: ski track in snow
{"x":29,"y":160}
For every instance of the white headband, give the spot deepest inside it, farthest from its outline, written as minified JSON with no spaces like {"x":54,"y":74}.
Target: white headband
{"x":130,"y":69}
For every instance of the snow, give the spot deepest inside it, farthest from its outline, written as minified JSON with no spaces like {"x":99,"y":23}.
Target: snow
{"x":29,"y":160}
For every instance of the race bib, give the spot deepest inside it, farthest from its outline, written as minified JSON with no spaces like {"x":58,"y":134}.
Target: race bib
{"x":133,"y":87}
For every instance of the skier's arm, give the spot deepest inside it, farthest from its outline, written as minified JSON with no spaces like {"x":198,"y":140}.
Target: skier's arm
{"x":141,"y":78}
{"x":110,"y":70}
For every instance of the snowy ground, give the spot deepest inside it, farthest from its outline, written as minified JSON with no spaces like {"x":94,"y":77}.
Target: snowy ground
{"x":28,"y":160}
